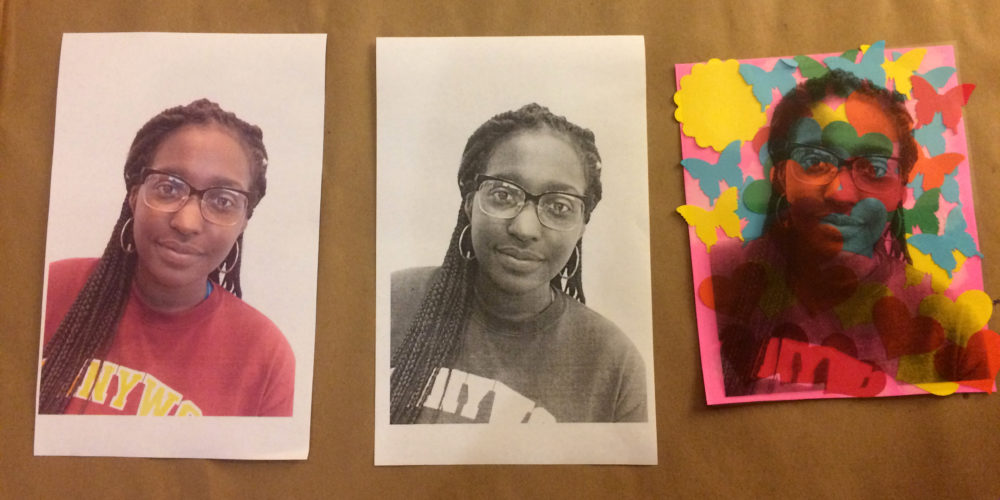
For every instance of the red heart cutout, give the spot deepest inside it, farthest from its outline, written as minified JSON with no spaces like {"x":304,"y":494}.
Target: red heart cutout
{"x":903,"y":334}
{"x":842,"y":343}
{"x":975,"y":365}
{"x":736,"y":295}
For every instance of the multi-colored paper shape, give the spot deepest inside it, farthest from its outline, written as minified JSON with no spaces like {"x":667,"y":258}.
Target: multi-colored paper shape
{"x":833,"y":237}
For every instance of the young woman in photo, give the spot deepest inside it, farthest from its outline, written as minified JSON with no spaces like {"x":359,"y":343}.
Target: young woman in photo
{"x":499,"y":332}
{"x":156,"y":325}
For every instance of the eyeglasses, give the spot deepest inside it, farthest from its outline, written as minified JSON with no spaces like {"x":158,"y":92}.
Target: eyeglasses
{"x":872,"y":173}
{"x":504,"y":199}
{"x":168,"y":193}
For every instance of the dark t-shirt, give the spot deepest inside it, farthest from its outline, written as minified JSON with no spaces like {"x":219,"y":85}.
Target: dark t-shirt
{"x":567,"y":364}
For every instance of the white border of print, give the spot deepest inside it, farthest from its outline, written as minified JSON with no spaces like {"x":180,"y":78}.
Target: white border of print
{"x":432,"y":94}
{"x":110,"y":84}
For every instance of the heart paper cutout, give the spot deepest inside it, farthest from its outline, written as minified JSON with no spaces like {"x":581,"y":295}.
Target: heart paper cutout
{"x":903,"y":334}
{"x":975,"y":365}
{"x":962,"y":318}
{"x":735,"y":295}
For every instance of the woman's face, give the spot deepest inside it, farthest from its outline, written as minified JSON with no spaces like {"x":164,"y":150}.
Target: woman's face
{"x":842,"y":211}
{"x":520,"y":255}
{"x":177,"y":250}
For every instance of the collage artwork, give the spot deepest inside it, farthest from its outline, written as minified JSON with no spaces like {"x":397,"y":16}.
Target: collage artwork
{"x":833,"y":236}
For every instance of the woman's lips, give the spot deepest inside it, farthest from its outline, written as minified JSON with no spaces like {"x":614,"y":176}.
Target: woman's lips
{"x":838,"y":219}
{"x":519,"y":259}
{"x":177,"y":251}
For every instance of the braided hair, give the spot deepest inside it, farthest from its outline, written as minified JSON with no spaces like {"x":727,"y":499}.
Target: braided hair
{"x":435,"y":333}
{"x":90,"y":324}
{"x":797,"y":103}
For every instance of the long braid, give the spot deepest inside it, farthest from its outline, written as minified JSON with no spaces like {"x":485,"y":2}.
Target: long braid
{"x":435,"y":334}
{"x":90,"y":324}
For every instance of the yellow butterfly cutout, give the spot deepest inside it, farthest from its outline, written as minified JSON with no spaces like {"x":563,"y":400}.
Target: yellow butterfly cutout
{"x":901,"y":69}
{"x":723,"y":215}
{"x":924,"y":265}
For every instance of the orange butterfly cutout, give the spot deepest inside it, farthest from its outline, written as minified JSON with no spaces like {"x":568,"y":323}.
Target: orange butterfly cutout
{"x":948,"y":104}
{"x":934,"y":168}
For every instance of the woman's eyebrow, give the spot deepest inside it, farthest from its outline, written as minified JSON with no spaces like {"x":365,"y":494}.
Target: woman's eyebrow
{"x":552,"y":186}
{"x":213,"y":181}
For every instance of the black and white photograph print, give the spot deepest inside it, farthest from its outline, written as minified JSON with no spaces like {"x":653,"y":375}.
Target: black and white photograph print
{"x":513,"y":285}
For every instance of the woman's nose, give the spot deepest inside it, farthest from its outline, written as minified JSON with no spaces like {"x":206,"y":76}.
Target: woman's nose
{"x":525,"y":225}
{"x":188,"y":219}
{"x":842,"y":188}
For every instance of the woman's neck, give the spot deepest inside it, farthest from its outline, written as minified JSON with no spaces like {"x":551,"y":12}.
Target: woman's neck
{"x":513,"y":306}
{"x":169,"y":299}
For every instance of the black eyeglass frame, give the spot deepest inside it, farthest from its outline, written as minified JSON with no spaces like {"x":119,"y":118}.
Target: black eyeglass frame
{"x":849,"y":162}
{"x":193,"y":191}
{"x":528,"y":196}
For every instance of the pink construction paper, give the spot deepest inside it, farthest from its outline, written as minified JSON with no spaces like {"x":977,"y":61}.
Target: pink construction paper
{"x":968,"y":277}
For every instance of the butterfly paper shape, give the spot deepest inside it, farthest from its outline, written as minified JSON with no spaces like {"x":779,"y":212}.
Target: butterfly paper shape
{"x":811,"y":68}
{"x":934,"y":168}
{"x":940,"y":247}
{"x":931,"y":136}
{"x":722,"y":215}
{"x":870,"y":67}
{"x":949,"y":188}
{"x":780,"y":77}
{"x":709,"y":175}
{"x":937,"y":77}
{"x":949,"y":104}
{"x":902,"y":66}
{"x":924,"y":213}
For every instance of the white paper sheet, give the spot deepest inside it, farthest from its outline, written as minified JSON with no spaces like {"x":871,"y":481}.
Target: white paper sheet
{"x":110,"y":84}
{"x":432,"y":94}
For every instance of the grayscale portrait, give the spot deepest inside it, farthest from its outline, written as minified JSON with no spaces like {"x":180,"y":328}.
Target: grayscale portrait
{"x":513,"y":250}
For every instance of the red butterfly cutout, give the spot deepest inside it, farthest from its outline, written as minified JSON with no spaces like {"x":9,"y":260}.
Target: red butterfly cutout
{"x":948,"y":104}
{"x":934,"y":168}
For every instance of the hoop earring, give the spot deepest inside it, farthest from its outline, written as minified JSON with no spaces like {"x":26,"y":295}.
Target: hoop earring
{"x":781,"y":211}
{"x":898,"y":223}
{"x":469,"y":255}
{"x":576,"y":265}
{"x":126,"y":247}
{"x":225,"y":267}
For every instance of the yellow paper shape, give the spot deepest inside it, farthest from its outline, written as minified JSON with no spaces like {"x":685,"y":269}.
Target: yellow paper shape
{"x":960,"y":319}
{"x":918,"y":369}
{"x":901,"y":69}
{"x":706,"y":221}
{"x":914,"y":276}
{"x":940,"y":281}
{"x":857,"y":309}
{"x":940,"y":388}
{"x":716,"y":106}
{"x":824,"y":114}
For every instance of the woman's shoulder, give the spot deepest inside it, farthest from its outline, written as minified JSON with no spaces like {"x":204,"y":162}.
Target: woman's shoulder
{"x":589,"y":327}
{"x":408,"y":289}
{"x":412,"y":280}
{"x":67,"y":277}
{"x":248,"y":315}
{"x":68,"y":271}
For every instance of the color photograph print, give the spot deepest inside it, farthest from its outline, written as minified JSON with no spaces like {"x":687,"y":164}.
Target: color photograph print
{"x":832,"y":227}
{"x":513,"y":310}
{"x":181,"y":250}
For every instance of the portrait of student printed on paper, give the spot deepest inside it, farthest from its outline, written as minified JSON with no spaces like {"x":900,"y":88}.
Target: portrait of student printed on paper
{"x":500,"y":332}
{"x":837,"y":283}
{"x":156,"y":325}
